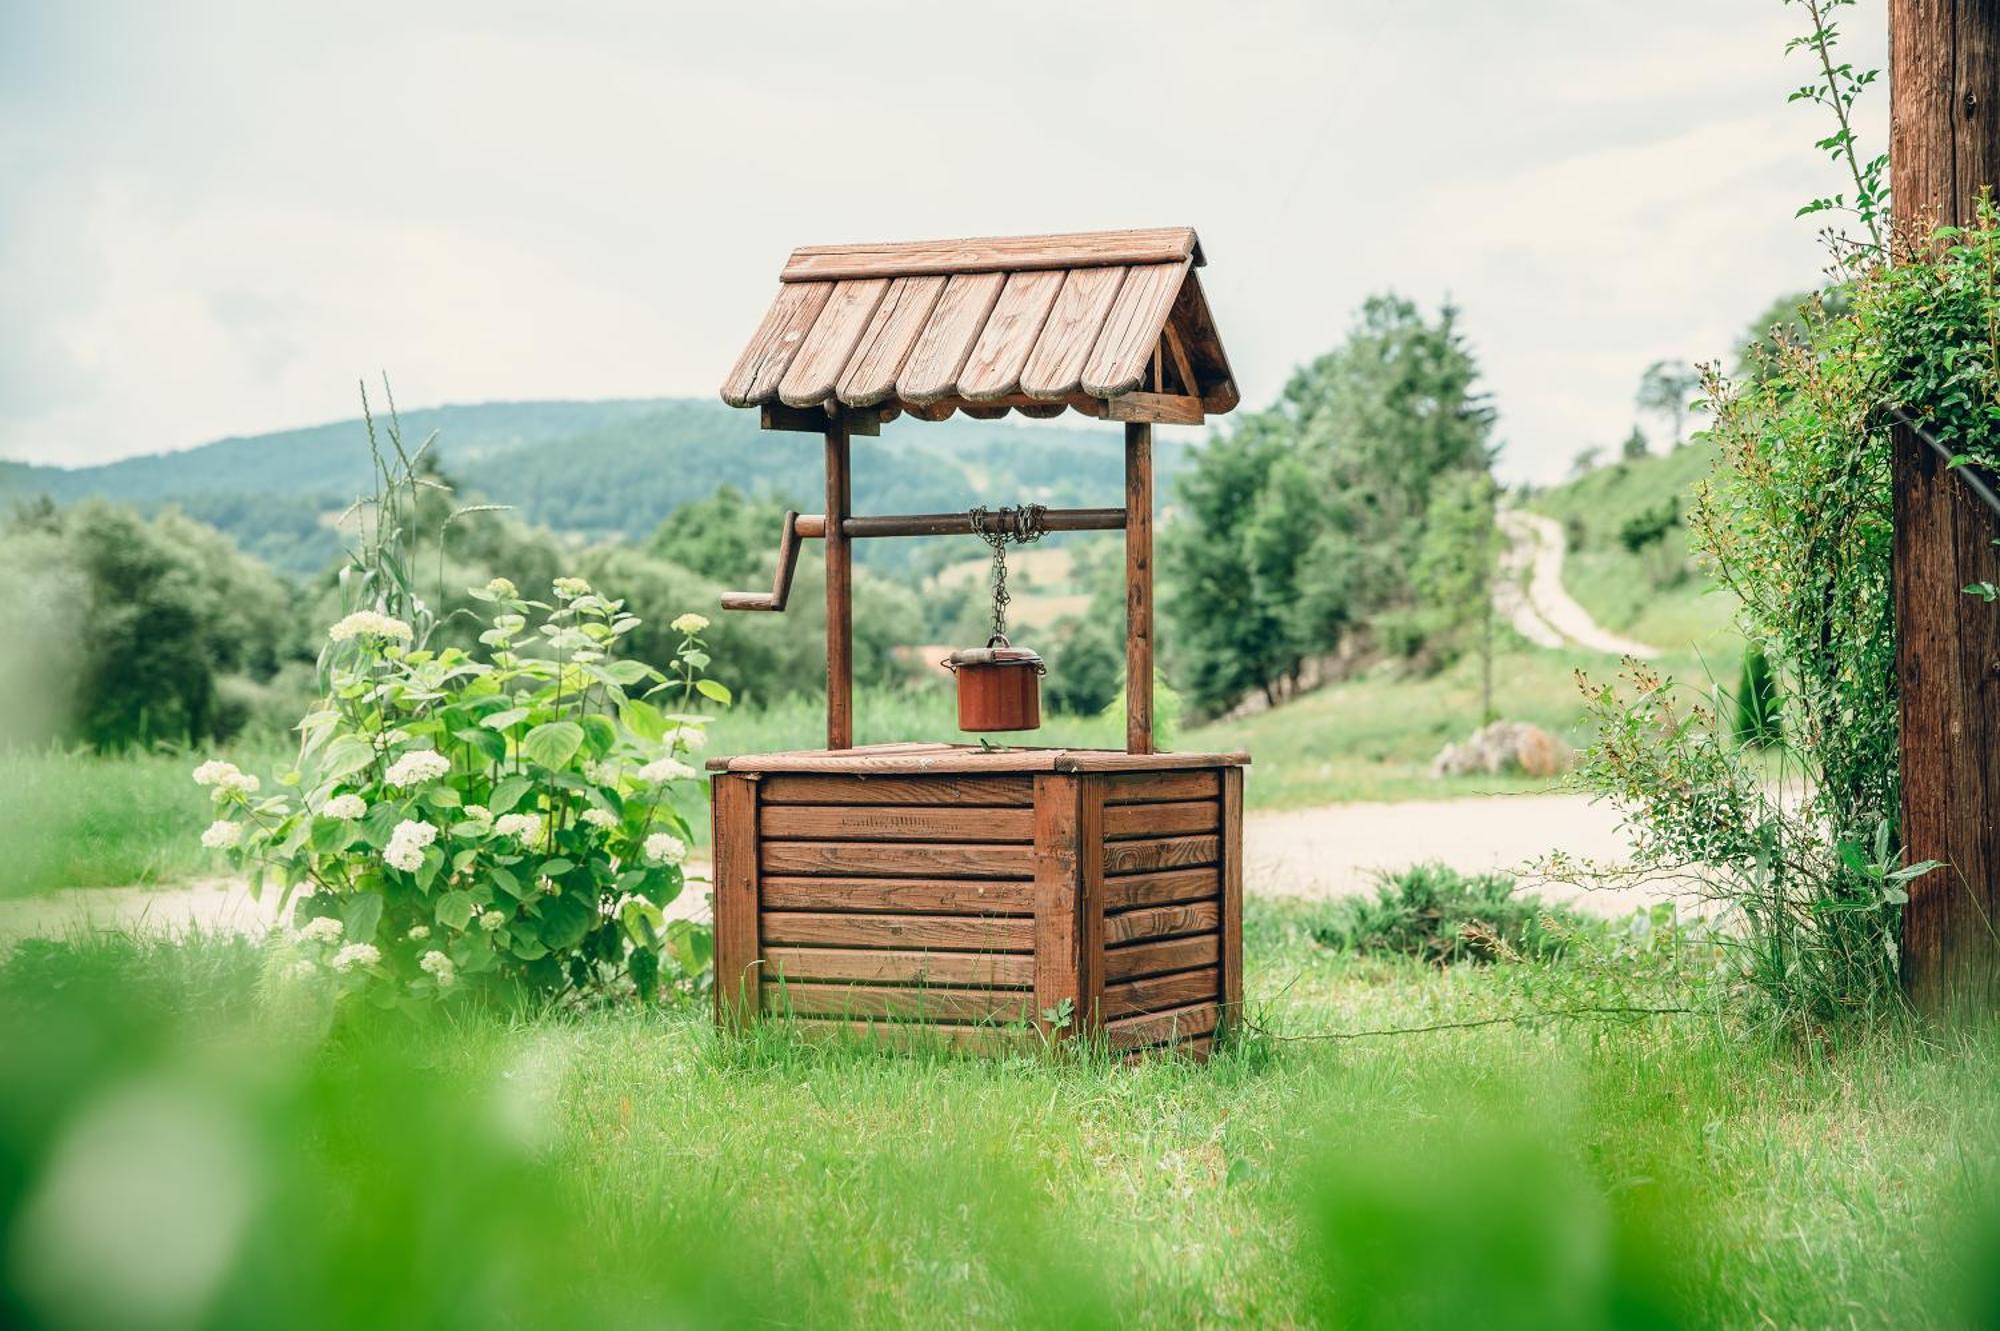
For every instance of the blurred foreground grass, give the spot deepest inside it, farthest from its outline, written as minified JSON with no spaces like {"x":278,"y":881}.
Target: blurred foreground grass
{"x":185,"y":1144}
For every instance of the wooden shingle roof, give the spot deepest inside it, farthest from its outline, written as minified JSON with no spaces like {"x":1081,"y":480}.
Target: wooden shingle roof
{"x":1109,"y":323}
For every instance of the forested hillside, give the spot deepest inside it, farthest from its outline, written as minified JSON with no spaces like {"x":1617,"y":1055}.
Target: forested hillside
{"x":596,"y":469}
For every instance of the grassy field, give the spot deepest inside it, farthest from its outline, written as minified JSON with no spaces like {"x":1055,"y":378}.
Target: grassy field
{"x":187,"y":1143}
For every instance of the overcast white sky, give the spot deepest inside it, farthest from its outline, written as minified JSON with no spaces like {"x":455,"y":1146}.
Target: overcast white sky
{"x":214,"y":217}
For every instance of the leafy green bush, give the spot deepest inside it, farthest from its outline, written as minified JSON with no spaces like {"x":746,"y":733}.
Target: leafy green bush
{"x":1436,"y":914}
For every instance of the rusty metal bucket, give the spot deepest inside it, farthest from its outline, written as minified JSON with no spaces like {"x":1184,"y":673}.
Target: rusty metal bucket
{"x":999,"y":687}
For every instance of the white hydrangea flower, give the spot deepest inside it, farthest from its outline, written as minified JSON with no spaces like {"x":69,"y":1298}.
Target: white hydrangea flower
{"x":694,"y":741}
{"x":476,"y":813}
{"x":222,"y":835}
{"x":602,"y":774}
{"x":302,"y":969}
{"x":419,"y":932}
{"x":225,"y":777}
{"x":662,"y":770}
{"x":492,"y":920}
{"x":689,"y":624}
{"x":406,"y":845}
{"x":665,"y":848}
{"x":603,"y":819}
{"x":438,"y":966}
{"x":416,"y":767}
{"x":524,"y":827}
{"x":322,"y":929}
{"x":369,"y":624}
{"x":355,"y":954}
{"x":344,"y":807}
{"x":503,"y":588}
{"x":569,"y":588}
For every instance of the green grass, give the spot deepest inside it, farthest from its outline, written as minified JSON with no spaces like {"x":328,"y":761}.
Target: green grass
{"x":183,"y":1146}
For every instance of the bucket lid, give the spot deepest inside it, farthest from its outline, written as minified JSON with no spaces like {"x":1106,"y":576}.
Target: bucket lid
{"x":996,"y":656}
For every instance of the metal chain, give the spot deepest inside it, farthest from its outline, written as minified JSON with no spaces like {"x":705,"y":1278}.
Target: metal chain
{"x":1022,"y":526}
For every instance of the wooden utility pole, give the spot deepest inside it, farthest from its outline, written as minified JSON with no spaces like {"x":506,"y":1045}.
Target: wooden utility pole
{"x":1944,"y":147}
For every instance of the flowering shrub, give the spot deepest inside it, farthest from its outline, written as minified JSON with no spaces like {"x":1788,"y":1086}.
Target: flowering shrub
{"x":505,"y":817}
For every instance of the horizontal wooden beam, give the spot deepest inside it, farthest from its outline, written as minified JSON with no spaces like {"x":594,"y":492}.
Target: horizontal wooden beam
{"x":812,"y":526}
{"x":1155,"y":409}
{"x":985,"y":254}
{"x":818,"y":420}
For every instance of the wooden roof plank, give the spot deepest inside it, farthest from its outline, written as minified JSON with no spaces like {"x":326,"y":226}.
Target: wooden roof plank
{"x":763,"y":363}
{"x":1055,"y":367}
{"x":1118,"y":362}
{"x":993,"y":369}
{"x":879,"y":356}
{"x":813,"y":263}
{"x":826,"y":349}
{"x":931,"y":372}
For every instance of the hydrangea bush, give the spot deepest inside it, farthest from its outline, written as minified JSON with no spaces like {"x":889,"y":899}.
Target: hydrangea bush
{"x":510,"y":817}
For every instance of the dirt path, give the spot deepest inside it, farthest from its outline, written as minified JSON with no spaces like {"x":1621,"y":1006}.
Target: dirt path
{"x":1323,"y":852}
{"x":1529,"y":593}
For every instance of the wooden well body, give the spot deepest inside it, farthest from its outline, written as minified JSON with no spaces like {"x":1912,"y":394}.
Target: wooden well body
{"x":964,"y":894}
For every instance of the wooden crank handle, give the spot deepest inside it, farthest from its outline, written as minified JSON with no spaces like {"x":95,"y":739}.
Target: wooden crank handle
{"x":781,"y":584}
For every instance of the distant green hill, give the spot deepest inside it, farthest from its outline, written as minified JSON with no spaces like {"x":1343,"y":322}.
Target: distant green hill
{"x":597,"y":469}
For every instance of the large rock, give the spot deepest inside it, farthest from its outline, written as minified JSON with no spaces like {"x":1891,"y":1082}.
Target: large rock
{"x":1504,"y":746}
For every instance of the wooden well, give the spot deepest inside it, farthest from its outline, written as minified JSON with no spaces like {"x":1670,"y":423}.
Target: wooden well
{"x":970,"y":892}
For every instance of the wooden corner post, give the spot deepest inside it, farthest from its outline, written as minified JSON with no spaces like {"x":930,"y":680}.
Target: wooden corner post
{"x":1138,"y":587}
{"x":735,"y":899}
{"x":1944,"y":91}
{"x":839,"y":589}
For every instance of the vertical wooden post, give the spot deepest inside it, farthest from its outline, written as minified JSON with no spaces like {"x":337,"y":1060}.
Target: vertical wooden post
{"x":839,"y":590}
{"x":1057,"y":953}
{"x":1138,"y":587}
{"x":1090,"y":902}
{"x":1232,"y":894}
{"x":735,"y":899}
{"x":1944,"y":87}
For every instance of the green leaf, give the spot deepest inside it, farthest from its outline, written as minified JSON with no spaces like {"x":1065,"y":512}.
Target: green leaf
{"x":600,"y":734}
{"x":565,"y":920}
{"x":512,"y":716}
{"x":643,"y":720}
{"x":345,"y":756}
{"x":553,"y":743}
{"x":709,"y":688}
{"x":506,"y":880}
{"x":507,"y":794}
{"x":454,"y":909}
{"x":361,"y":914}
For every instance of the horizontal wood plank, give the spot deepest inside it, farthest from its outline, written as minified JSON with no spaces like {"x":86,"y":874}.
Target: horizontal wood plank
{"x":916,"y":1003}
{"x":909,"y":896}
{"x":1158,"y":993}
{"x":810,"y":263}
{"x":1155,"y":409}
{"x":896,"y":822}
{"x":1182,"y":1023}
{"x":1129,"y":926}
{"x":1160,"y":787}
{"x":1159,"y":853}
{"x":1178,"y":818}
{"x":960,"y":759}
{"x":898,"y":859}
{"x":985,"y":970}
{"x":968,"y":790}
{"x":1134,"y":960}
{"x":1167,"y":887}
{"x":966,"y":933}
{"x":1200,"y":1050}
{"x":918,"y":1037}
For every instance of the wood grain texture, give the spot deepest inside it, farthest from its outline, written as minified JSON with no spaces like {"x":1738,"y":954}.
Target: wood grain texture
{"x":1090,"y":902}
{"x":734,"y":831}
{"x":1138,"y":588}
{"x":1944,"y":147}
{"x":812,"y":263}
{"x":963,"y":933}
{"x":934,"y":1003}
{"x":931,"y":371}
{"x":1182,"y":1023}
{"x":1195,"y":326}
{"x":896,"y":859}
{"x":810,"y":378}
{"x":911,"y":896}
{"x":993,"y":369}
{"x":1055,"y":367}
{"x":839,"y":590}
{"x":1158,"y":993}
{"x":1165,"y":888}
{"x":1145,"y":856}
{"x":901,"y":966}
{"x":915,"y":1037}
{"x":1156,"y":786}
{"x":761,"y":367}
{"x":1130,"y":926}
{"x":878,"y":357}
{"x":1058,"y":886}
{"x":1124,"y":351}
{"x":1155,"y":409}
{"x":899,"y":822}
{"x":956,"y":791}
{"x":1232,"y":894}
{"x":1159,"y":956}
{"x":1178,"y":818}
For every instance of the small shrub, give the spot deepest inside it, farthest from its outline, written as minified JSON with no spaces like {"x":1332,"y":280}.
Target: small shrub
{"x":1439,"y":915}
